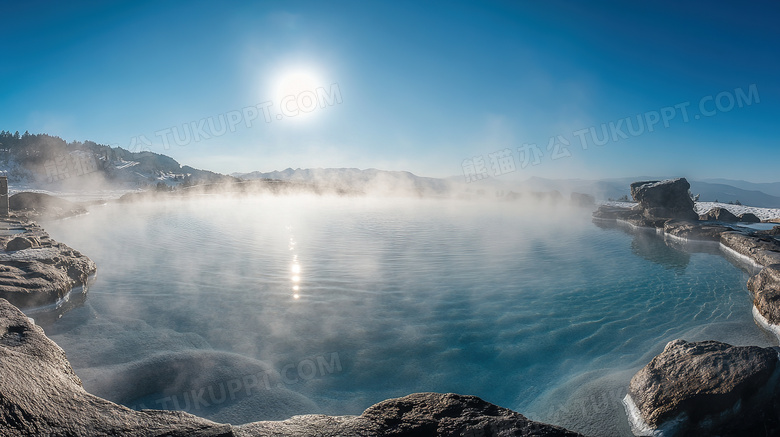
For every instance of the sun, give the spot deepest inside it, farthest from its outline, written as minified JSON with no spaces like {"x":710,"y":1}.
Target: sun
{"x":296,"y":91}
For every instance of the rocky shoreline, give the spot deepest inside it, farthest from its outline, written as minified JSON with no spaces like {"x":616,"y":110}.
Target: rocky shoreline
{"x":36,"y":270}
{"x":707,"y":387}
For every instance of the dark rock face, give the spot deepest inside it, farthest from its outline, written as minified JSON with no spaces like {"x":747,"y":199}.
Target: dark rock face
{"x":36,"y":270}
{"x":749,"y":217}
{"x":41,"y":395}
{"x":720,"y":215}
{"x":765,"y":287}
{"x":583,"y":200}
{"x":664,"y":199}
{"x":696,"y":388}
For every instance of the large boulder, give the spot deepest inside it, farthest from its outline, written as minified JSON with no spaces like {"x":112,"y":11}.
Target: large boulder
{"x":41,"y":395}
{"x":419,"y":414}
{"x":749,"y":217}
{"x":705,"y":387}
{"x":720,"y":215}
{"x":665,"y":199}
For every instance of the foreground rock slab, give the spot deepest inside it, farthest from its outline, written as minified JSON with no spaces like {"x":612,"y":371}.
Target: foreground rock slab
{"x":419,"y":414}
{"x":690,"y":230}
{"x":703,"y":388}
{"x":36,"y":270}
{"x":761,"y":250}
{"x":41,"y":395}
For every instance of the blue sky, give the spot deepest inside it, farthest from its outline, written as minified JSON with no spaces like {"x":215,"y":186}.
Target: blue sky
{"x":405,"y":85}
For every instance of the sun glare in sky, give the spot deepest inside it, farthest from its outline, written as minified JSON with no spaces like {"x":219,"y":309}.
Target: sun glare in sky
{"x":295,"y":92}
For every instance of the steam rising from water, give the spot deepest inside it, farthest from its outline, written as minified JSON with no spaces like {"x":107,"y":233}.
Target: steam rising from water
{"x":522,"y":304}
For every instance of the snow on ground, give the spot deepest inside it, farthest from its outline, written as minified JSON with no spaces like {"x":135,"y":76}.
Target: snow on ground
{"x":617,"y":203}
{"x":703,"y":207}
{"x":762,"y":213}
{"x":122,"y":164}
{"x":30,"y":254}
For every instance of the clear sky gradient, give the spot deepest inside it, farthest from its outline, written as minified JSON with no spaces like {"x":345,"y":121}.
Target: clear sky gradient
{"x":406,"y":85}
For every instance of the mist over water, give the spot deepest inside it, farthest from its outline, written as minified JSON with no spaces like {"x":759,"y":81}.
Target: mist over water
{"x":530,"y":307}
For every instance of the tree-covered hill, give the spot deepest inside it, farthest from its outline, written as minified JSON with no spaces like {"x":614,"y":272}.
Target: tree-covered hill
{"x":47,"y":161}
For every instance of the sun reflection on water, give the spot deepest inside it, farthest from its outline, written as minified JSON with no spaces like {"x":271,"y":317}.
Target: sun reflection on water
{"x":295,"y":268}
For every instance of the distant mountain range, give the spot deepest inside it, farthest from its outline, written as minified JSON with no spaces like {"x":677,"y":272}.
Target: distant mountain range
{"x":47,"y":162}
{"x":772,"y":188}
{"x":352,"y":179}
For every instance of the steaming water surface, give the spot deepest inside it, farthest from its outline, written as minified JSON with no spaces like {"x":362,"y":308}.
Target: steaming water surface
{"x":261,"y":308}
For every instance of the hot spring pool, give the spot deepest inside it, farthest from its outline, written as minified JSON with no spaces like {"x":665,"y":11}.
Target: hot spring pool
{"x":256,"y":308}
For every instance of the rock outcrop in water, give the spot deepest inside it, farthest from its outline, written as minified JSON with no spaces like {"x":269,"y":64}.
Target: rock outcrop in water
{"x":36,"y":270}
{"x":706,"y":388}
{"x":657,"y":202}
{"x":666,"y":199}
{"x":41,"y":395}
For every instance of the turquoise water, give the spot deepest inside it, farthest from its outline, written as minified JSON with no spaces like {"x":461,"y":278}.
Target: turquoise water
{"x":534,"y":309}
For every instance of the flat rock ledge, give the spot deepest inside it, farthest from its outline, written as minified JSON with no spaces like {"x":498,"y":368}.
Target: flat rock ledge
{"x":706,"y":388}
{"x":41,"y":395}
{"x":36,"y":270}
